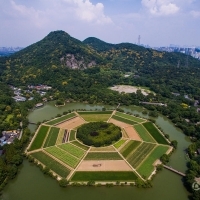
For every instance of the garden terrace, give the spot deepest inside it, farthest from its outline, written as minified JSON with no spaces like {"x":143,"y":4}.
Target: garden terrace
{"x":39,"y":139}
{"x":61,"y":119}
{"x":155,"y":133}
{"x":51,"y":163}
{"x":135,"y":147}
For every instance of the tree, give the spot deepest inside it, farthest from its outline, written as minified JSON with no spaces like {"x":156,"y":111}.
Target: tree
{"x":63,"y":182}
{"x":164,"y":158}
{"x":174,"y":143}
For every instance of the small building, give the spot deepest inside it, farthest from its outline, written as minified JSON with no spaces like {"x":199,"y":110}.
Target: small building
{"x":19,"y":98}
{"x":39,"y":105}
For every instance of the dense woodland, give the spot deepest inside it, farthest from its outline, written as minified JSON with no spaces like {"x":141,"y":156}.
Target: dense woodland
{"x":160,"y":72}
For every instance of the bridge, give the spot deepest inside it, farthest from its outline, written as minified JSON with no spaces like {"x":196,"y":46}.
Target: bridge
{"x":173,"y":170}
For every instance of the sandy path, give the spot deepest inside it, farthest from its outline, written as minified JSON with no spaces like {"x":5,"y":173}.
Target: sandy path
{"x":72,"y":123}
{"x":104,"y":165}
{"x":132,"y":134}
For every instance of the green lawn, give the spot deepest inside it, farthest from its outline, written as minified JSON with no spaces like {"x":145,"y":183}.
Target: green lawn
{"x":146,"y":168}
{"x":94,"y":112}
{"x":119,"y":143}
{"x":39,"y":139}
{"x":61,"y":119}
{"x":130,"y":117}
{"x":155,"y":133}
{"x":60,"y":136}
{"x":63,"y":156}
{"x":52,"y":137}
{"x":127,"y":121}
{"x":144,"y":133}
{"x":51,"y":163}
{"x":103,"y":156}
{"x":72,"y":135}
{"x":95,"y":118}
{"x":140,"y":154}
{"x":78,"y":144}
{"x":104,"y":176}
{"x":72,"y":149}
{"x":129,"y":148}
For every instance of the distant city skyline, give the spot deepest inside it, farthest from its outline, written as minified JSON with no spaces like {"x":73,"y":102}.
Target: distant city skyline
{"x":158,"y":22}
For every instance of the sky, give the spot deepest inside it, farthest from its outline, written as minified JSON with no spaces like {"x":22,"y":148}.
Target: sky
{"x":158,"y":22}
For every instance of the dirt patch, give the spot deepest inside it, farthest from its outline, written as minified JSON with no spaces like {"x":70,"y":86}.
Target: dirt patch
{"x":72,"y":123}
{"x":128,"y":89}
{"x":118,"y":123}
{"x":104,"y":165}
{"x":132,"y":134}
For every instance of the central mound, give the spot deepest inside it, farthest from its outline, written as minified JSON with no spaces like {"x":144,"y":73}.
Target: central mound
{"x":98,"y":134}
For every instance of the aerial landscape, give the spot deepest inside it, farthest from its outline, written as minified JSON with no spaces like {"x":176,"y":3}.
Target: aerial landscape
{"x":100,"y":98}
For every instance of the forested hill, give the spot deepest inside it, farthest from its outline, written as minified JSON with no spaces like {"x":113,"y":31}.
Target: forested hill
{"x":127,"y":56}
{"x":50,"y":61}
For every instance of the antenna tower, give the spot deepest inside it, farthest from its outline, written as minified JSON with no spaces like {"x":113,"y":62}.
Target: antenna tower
{"x":139,"y":40}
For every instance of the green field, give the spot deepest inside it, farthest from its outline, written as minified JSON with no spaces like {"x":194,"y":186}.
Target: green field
{"x":60,"y":136}
{"x":94,"y":112}
{"x":39,"y":139}
{"x":52,"y":137}
{"x":127,"y":121}
{"x":60,"y":119}
{"x":103,"y":156}
{"x":63,"y":156}
{"x":129,"y":148}
{"x":146,"y":168}
{"x":106,"y":148}
{"x":155,"y":133}
{"x":144,"y":133}
{"x":140,"y":154}
{"x":51,"y":163}
{"x":104,"y":176}
{"x":119,"y":143}
{"x":72,"y":149}
{"x":72,"y":135}
{"x":95,"y":118}
{"x":78,"y":144}
{"x":130,"y":117}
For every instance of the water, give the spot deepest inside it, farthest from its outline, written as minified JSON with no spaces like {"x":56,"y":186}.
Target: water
{"x":31,"y":184}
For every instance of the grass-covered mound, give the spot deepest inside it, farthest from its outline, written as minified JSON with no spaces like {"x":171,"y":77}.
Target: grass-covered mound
{"x":98,"y":134}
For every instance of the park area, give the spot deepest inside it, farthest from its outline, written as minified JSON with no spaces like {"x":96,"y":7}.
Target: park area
{"x":131,"y":155}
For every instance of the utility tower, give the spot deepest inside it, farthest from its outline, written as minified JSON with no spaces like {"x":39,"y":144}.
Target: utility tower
{"x":139,"y":40}
{"x":178,"y":64}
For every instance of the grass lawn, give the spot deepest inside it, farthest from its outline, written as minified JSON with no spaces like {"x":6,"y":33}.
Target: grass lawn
{"x":94,"y":112}
{"x":61,"y":119}
{"x":121,"y":119}
{"x":72,"y":149}
{"x":78,"y":144}
{"x":104,"y":176}
{"x":51,"y":163}
{"x":140,"y":154}
{"x":52,"y":137}
{"x":60,"y":136}
{"x":39,"y":139}
{"x":155,"y":133}
{"x":95,"y":118}
{"x":131,"y":117}
{"x":103,"y":156}
{"x":119,"y":143}
{"x":72,"y":135}
{"x":129,"y":148}
{"x":146,"y":168}
{"x":63,"y":156}
{"x":144,"y":133}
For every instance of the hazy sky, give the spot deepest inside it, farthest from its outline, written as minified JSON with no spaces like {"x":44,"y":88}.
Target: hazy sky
{"x":159,"y":22}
